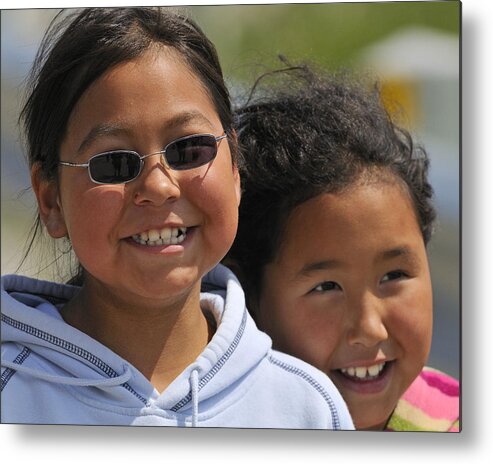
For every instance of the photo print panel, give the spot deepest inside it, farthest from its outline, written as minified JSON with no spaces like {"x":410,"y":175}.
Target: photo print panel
{"x":251,"y":221}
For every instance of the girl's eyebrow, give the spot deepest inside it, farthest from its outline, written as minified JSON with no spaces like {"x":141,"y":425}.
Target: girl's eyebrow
{"x":106,"y":129}
{"x":404,"y":252}
{"x":323,"y":265}
{"x":386,"y":255}
{"x":396,"y":252}
{"x":100,"y":130}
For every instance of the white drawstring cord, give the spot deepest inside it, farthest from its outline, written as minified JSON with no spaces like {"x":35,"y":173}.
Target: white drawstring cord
{"x":194,"y":380}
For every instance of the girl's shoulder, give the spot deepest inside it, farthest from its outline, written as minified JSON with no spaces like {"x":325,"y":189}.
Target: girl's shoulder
{"x":431,"y":403}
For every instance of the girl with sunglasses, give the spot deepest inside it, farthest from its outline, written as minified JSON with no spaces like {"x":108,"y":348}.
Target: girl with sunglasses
{"x":132,"y":340}
{"x":337,"y":203}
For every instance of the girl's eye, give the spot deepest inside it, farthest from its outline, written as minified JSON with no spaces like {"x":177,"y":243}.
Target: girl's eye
{"x":326,"y":287}
{"x":393,"y":275}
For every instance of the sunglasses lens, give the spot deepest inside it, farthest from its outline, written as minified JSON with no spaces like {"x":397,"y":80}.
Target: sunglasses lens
{"x":115,"y":167}
{"x":191,"y":152}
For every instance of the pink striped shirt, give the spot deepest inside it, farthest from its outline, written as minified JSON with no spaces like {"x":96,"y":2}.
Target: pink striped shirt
{"x":431,"y":403}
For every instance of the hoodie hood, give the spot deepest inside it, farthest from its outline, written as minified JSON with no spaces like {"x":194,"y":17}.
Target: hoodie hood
{"x":66,"y":356}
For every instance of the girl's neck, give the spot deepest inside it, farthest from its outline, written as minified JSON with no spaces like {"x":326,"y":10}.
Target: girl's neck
{"x":160,"y":340}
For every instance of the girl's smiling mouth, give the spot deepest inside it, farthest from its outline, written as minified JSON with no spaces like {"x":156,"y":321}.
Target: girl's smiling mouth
{"x":364,"y":379}
{"x":364,"y":373}
{"x":170,"y":239}
{"x":164,"y":236}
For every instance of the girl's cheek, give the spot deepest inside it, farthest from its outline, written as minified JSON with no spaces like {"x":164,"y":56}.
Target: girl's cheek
{"x":316,"y":331}
{"x":93,"y":213}
{"x":216,"y":198}
{"x":410,"y":319}
{"x":216,"y":190}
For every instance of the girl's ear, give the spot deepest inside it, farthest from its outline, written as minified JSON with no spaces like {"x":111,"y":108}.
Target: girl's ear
{"x":50,"y":210}
{"x":237,"y":180}
{"x":236,"y":173}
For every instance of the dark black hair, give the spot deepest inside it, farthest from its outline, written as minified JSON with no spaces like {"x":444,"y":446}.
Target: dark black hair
{"x":80,"y":46}
{"x":312,"y":133}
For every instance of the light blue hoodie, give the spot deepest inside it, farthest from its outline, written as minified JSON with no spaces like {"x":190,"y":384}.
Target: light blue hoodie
{"x":54,"y":374}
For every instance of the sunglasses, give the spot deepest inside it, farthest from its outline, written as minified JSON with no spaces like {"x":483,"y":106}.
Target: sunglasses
{"x":122,"y":166}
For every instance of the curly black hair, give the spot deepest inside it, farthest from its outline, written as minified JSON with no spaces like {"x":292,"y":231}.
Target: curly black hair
{"x":314,"y":133}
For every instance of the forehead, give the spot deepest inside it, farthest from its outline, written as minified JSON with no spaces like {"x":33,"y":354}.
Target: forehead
{"x":157,"y":84}
{"x":364,"y":218}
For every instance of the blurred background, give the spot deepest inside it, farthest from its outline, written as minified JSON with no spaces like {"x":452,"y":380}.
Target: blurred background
{"x":412,"y":48}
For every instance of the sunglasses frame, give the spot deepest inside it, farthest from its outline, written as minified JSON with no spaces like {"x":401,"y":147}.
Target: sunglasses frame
{"x":143,"y":157}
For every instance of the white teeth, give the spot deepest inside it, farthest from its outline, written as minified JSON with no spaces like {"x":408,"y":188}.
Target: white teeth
{"x":153,"y":235}
{"x":363,"y":372}
{"x":166,"y":236}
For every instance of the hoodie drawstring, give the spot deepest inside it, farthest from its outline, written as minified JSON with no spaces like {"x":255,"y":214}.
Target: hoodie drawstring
{"x":107,"y":382}
{"x":194,"y":381}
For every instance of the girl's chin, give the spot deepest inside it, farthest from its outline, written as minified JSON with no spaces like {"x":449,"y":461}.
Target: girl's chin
{"x":152,"y":288}
{"x":370,"y":414}
{"x":370,"y":401}
{"x":377,"y":428}
{"x":172,"y":286}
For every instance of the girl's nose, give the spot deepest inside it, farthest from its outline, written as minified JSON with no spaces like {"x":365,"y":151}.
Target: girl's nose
{"x":156,"y":184}
{"x":367,"y":327}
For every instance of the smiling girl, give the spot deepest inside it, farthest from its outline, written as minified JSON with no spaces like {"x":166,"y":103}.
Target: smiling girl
{"x":337,"y":207}
{"x":133,"y":160}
